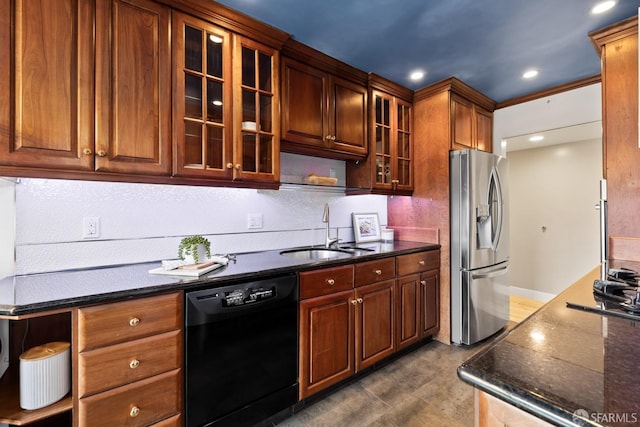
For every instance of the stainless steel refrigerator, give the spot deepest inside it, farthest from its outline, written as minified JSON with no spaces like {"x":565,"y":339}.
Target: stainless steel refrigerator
{"x":479,"y":245}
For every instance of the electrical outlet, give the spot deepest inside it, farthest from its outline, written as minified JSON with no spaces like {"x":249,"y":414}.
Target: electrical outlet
{"x":90,"y":227}
{"x":254,"y":221}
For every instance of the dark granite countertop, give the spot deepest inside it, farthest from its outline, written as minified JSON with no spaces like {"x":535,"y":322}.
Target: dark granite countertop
{"x":28,"y":294}
{"x":569,"y":367}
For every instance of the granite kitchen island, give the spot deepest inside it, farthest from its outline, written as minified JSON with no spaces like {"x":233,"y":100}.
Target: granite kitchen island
{"x":565,"y":366}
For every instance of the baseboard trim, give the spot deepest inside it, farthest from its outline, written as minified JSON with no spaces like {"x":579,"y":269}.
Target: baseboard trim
{"x":530,"y":293}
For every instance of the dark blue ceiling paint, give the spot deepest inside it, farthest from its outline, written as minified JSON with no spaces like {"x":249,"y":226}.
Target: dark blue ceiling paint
{"x":488,"y":44}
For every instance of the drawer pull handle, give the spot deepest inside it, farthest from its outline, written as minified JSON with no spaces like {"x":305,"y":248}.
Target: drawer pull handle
{"x":134,"y":412}
{"x":421,"y":262}
{"x":331,"y":282}
{"x":354,"y":302}
{"x":134,"y":322}
{"x":378,"y":272}
{"x":134,"y":363}
{"x":423,"y":282}
{"x":360,"y":300}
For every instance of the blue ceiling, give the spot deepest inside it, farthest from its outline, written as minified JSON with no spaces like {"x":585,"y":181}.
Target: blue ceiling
{"x":488,"y":44}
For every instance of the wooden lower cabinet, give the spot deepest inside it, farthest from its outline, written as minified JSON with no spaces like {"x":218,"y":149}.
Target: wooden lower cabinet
{"x":408,"y":308}
{"x":375,"y":335}
{"x":137,"y":404}
{"x":354,"y":316}
{"x":490,"y":412}
{"x":430,"y":302}
{"x":326,"y":341}
{"x":129,"y":358}
{"x":417,"y":297}
{"x":343,"y":333}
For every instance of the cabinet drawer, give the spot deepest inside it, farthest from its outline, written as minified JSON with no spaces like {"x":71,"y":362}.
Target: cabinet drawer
{"x":137,"y":404}
{"x":116,"y":365}
{"x":421,"y":261}
{"x":375,"y":271}
{"x":108,"y":324}
{"x":325,"y":281}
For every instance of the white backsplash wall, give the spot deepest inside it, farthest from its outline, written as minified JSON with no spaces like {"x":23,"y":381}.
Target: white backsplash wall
{"x":7,"y":226}
{"x":145,"y":222}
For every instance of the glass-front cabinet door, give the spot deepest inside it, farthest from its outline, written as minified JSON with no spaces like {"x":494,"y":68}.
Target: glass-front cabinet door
{"x":404,"y":168}
{"x":382,"y":128}
{"x":256,"y":148}
{"x":393,"y":168}
{"x":202,"y":117}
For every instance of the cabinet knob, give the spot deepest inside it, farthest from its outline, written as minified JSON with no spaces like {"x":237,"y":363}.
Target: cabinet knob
{"x":360,"y":300}
{"x":229,"y":165}
{"x":101,"y":153}
{"x":354,"y":302}
{"x":331,"y":282}
{"x":423,"y":282}
{"x":333,"y":137}
{"x":328,"y":137}
{"x":378,"y":272}
{"x":134,"y":363}
{"x":237,"y":166}
{"x":134,"y":322}
{"x":421,"y":262}
{"x":134,"y":412}
{"x":87,"y":152}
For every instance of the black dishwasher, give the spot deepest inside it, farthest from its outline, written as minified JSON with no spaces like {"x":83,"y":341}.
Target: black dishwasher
{"x":241,"y":352}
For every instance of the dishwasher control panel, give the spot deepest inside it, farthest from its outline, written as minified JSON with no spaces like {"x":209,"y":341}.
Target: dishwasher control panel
{"x":247,"y":296}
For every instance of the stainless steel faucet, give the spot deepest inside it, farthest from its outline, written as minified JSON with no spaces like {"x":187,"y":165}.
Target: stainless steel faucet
{"x":325,"y":218}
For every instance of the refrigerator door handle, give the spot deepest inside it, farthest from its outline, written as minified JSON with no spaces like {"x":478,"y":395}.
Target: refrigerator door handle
{"x":496,"y":205}
{"x":493,"y":273}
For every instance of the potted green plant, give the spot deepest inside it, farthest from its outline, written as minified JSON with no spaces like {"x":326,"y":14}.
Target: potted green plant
{"x":194,"y":248}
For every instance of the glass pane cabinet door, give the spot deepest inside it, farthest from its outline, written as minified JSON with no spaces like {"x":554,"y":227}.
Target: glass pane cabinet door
{"x":202,"y":117}
{"x":403,"y":171}
{"x":256,"y":149}
{"x":383,"y":140}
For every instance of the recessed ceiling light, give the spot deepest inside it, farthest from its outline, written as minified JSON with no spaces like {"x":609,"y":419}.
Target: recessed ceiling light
{"x":536,"y":138}
{"x":529,"y":74}
{"x":603,"y":6}
{"x":416,"y":75}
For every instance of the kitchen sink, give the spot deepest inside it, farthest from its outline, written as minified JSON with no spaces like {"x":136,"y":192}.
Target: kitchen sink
{"x":325,"y":253}
{"x":357,"y":250}
{"x":317,"y":253}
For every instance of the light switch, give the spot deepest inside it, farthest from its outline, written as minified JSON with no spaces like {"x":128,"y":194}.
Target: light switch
{"x":254,"y":221}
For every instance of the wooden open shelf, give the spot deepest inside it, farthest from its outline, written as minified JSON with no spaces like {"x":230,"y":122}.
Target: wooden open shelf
{"x":12,"y":413}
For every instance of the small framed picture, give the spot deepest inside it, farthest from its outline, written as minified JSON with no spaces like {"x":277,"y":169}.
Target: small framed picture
{"x":366,"y":227}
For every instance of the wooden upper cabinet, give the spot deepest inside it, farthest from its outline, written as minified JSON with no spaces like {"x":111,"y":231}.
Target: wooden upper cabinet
{"x":256,"y":104}
{"x":347,"y":117}
{"x":323,"y":113}
{"x":225,"y":103}
{"x":133,"y":93}
{"x":389,"y":168}
{"x":202,"y":99}
{"x":304,"y":110}
{"x":471,"y":125}
{"x":462,"y":123}
{"x":484,"y":129}
{"x":46,"y":80}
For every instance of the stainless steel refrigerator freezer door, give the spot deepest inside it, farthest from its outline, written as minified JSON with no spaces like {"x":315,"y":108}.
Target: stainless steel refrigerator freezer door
{"x":479,"y":210}
{"x":485,"y":304}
